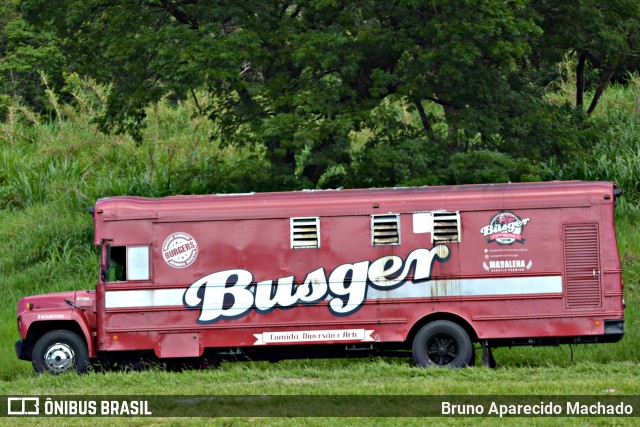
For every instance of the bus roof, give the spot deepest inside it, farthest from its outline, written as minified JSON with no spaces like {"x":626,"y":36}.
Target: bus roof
{"x":338,"y":202}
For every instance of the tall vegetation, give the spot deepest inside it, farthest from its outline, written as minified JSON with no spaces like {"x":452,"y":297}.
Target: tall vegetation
{"x":615,"y":154}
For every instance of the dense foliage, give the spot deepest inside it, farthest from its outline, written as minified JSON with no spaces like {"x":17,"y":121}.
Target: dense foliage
{"x":335,"y":93}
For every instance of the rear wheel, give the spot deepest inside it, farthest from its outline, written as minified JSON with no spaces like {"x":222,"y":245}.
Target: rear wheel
{"x":444,"y":344}
{"x":60,"y":351}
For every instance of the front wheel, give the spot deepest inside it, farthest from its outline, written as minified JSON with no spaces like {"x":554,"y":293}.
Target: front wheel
{"x":60,"y":351}
{"x":444,"y":344}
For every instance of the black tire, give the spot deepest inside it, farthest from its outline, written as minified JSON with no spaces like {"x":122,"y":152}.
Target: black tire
{"x":60,"y":351}
{"x":443,"y":344}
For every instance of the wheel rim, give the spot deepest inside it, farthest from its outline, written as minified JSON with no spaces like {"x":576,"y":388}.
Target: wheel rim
{"x":59,"y":358}
{"x":442,"y":349}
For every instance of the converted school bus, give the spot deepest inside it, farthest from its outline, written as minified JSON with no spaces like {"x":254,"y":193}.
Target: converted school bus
{"x":429,"y":270}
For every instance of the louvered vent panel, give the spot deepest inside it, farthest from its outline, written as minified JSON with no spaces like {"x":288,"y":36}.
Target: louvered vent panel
{"x":582,"y":265}
{"x":385,"y":229}
{"x":446,"y":227}
{"x":305,"y":233}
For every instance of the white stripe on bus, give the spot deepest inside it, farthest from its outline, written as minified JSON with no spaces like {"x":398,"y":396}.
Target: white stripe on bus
{"x":430,"y":289}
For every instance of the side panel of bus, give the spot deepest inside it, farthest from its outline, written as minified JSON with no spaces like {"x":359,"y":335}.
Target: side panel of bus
{"x":509,"y":273}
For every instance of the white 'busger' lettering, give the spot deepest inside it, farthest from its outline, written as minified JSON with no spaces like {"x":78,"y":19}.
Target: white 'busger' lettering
{"x":346,"y":286}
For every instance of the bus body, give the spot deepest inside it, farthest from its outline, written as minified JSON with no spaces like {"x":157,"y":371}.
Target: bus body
{"x":426,"y":271}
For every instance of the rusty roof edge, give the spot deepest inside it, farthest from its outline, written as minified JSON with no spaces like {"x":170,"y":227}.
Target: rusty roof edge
{"x":357,"y":201}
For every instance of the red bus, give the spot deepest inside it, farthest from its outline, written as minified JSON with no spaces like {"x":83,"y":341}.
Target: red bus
{"x":423,"y":272}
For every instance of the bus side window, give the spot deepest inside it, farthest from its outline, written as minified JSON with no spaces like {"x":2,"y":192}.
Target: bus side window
{"x":137,"y":263}
{"x":117,"y":264}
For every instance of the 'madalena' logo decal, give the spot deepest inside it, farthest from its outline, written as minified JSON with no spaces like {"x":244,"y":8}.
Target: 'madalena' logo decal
{"x":232,"y":293}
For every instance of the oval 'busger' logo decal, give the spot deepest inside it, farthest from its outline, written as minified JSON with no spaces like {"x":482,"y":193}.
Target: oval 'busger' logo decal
{"x":505,"y":228}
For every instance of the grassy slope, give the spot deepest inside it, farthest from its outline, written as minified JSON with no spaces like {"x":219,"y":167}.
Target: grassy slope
{"x":50,"y":172}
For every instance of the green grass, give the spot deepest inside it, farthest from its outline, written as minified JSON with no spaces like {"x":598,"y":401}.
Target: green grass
{"x":51,"y":171}
{"x":363,"y":377}
{"x":347,"y":376}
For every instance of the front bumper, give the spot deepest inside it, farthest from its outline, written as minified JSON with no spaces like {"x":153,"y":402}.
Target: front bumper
{"x":20,"y":351}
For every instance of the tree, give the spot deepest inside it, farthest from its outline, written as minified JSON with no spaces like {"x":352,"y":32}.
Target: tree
{"x":26,"y":56}
{"x":602,"y":36}
{"x":305,"y":79}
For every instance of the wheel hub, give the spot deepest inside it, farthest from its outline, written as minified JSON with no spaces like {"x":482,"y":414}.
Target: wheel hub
{"x":59,"y":358}
{"x":441,"y":350}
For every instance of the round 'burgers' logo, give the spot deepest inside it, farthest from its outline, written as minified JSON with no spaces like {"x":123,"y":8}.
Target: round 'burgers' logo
{"x":180,"y":250}
{"x":505,"y":228}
